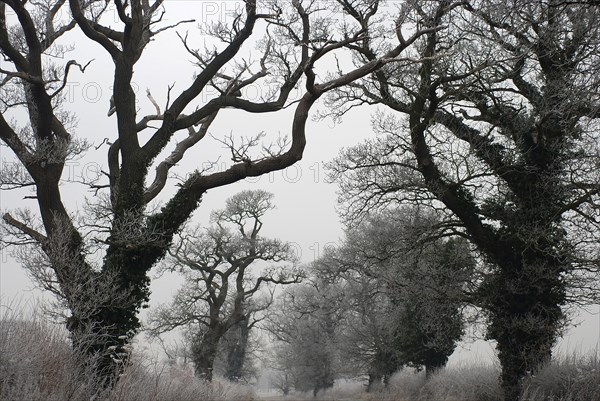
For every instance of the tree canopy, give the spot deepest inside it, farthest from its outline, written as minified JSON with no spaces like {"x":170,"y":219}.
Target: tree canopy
{"x":122,"y":229}
{"x":486,"y":113}
{"x":223,"y":285}
{"x":497,"y":125}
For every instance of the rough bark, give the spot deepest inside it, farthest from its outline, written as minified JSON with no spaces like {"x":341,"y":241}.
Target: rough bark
{"x":136,"y":240}
{"x":519,"y":117}
{"x":237,"y":354}
{"x":204,"y":352}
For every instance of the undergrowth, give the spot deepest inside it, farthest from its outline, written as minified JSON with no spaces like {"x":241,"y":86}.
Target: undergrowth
{"x":38,"y":364}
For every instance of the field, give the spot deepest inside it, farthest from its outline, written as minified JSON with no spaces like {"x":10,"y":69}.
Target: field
{"x":36,"y":364}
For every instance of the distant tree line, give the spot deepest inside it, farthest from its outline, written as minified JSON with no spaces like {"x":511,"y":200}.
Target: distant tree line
{"x":389,"y":297}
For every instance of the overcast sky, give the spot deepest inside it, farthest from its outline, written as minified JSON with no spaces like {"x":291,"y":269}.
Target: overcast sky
{"x":305,"y":213}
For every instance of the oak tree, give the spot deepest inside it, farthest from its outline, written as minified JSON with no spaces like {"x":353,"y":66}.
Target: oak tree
{"x":121,"y":230}
{"x":305,"y":326}
{"x":225,"y":285}
{"x":496,"y":124}
{"x":406,"y":280}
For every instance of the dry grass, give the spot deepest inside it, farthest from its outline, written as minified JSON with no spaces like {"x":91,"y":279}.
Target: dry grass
{"x":174,"y":384}
{"x":575,"y":378}
{"x":37,"y":364}
{"x":464,"y":383}
{"x":34,"y":357}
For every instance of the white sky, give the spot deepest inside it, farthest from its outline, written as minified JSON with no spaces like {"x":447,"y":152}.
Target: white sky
{"x":305,"y":213}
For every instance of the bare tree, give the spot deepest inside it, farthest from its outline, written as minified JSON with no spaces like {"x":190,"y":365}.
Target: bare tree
{"x":238,"y":349}
{"x":406,"y":280}
{"x":223,"y":284}
{"x":305,"y":324}
{"x":129,"y":236}
{"x":498,"y":126}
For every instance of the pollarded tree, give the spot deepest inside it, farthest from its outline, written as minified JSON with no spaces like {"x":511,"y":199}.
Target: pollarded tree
{"x":121,"y":237}
{"x":224,"y":284}
{"x":498,"y":125}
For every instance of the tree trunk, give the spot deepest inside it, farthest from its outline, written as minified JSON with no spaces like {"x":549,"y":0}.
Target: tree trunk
{"x":236,"y":356}
{"x":104,"y":315}
{"x":204,"y":353}
{"x":522,"y":349}
{"x":386,"y":379}
{"x":324,"y":378}
{"x":101,"y":349}
{"x":374,"y":380}
{"x":525,"y":320}
{"x":430,"y":370}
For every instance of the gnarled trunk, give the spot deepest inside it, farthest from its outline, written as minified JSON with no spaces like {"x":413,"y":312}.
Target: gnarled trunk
{"x":204,"y":353}
{"x":525,"y":321}
{"x":236,"y":356}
